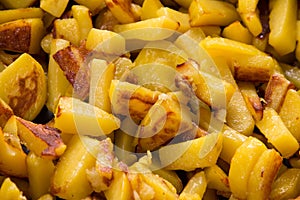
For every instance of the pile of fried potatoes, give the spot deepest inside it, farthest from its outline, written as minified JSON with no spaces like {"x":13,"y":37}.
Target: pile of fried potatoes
{"x":82,"y":118}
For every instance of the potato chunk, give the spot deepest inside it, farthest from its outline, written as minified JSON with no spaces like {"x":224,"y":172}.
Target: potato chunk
{"x":9,"y":190}
{"x":198,"y":153}
{"x":289,"y":115}
{"x":239,"y":172}
{"x":70,"y":180}
{"x":22,"y":35}
{"x":41,"y":139}
{"x":72,"y":116}
{"x":24,"y":86}
{"x":206,"y":12}
{"x":277,"y":133}
{"x":283,"y":19}
{"x":13,"y":160}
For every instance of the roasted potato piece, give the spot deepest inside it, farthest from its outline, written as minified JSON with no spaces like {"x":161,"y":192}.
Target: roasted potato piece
{"x":13,"y":160}
{"x":22,"y":35}
{"x":130,"y":99}
{"x":172,"y":177}
{"x":168,"y":54}
{"x":17,"y":3}
{"x":24,"y":87}
{"x":150,"y":8}
{"x":54,"y":7}
{"x":250,"y":15}
{"x":67,"y":29}
{"x":42,"y":140}
{"x":245,"y":61}
{"x":101,"y":76}
{"x":142,"y":29}
{"x":198,"y":153}
{"x":121,"y":10}
{"x":182,"y":18}
{"x":71,"y":60}
{"x":5,"y":113}
{"x":231,"y":141}
{"x":252,"y":99}
{"x":72,"y":115}
{"x":286,"y":185}
{"x":282,"y":22}
{"x":121,"y":184}
{"x":58,"y":83}
{"x":9,"y":190}
{"x":236,"y":31}
{"x":11,"y":133}
{"x":84,"y":20}
{"x":195,"y":188}
{"x":70,"y":180}
{"x":238,"y":115}
{"x":263,"y":175}
{"x":95,"y":6}
{"x":164,"y":120}
{"x":105,"y":41}
{"x":21,"y":13}
{"x":202,"y":82}
{"x":206,"y":12}
{"x":276,"y":90}
{"x":149,"y":185}
{"x":289,"y":114}
{"x":217,"y":179}
{"x":239,"y":172}
{"x":40,"y":171}
{"x":277,"y":133}
{"x":101,"y":176}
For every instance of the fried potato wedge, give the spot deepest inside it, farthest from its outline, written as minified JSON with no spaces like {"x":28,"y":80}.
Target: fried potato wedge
{"x":70,"y":179}
{"x":13,"y":160}
{"x":42,"y":140}
{"x":22,"y":35}
{"x":239,"y":172}
{"x":289,"y":115}
{"x":72,"y":115}
{"x":277,"y":133}
{"x":24,"y":87}
{"x":198,"y":153}
{"x":263,"y":175}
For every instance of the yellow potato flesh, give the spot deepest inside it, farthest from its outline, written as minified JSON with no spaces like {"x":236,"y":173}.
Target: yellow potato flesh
{"x":69,"y":180}
{"x":239,"y":172}
{"x":277,"y":133}
{"x":289,"y":115}
{"x":190,"y":157}
{"x":24,"y":87}
{"x":283,"y":18}
{"x":72,"y":115}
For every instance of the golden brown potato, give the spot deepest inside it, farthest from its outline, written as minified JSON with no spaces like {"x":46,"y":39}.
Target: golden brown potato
{"x":26,"y":100}
{"x":276,"y":90}
{"x":42,"y":140}
{"x":22,"y":35}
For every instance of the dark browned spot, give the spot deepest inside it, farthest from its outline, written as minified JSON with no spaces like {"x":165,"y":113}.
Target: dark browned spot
{"x":15,"y":37}
{"x":49,"y":135}
{"x":27,"y":96}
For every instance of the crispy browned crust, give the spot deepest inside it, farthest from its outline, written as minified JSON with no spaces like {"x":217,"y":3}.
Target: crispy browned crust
{"x":276,"y":90}
{"x":27,"y":95}
{"x":49,"y":135}
{"x":15,"y":36}
{"x":72,"y":61}
{"x":250,"y":74}
{"x":5,"y":113}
